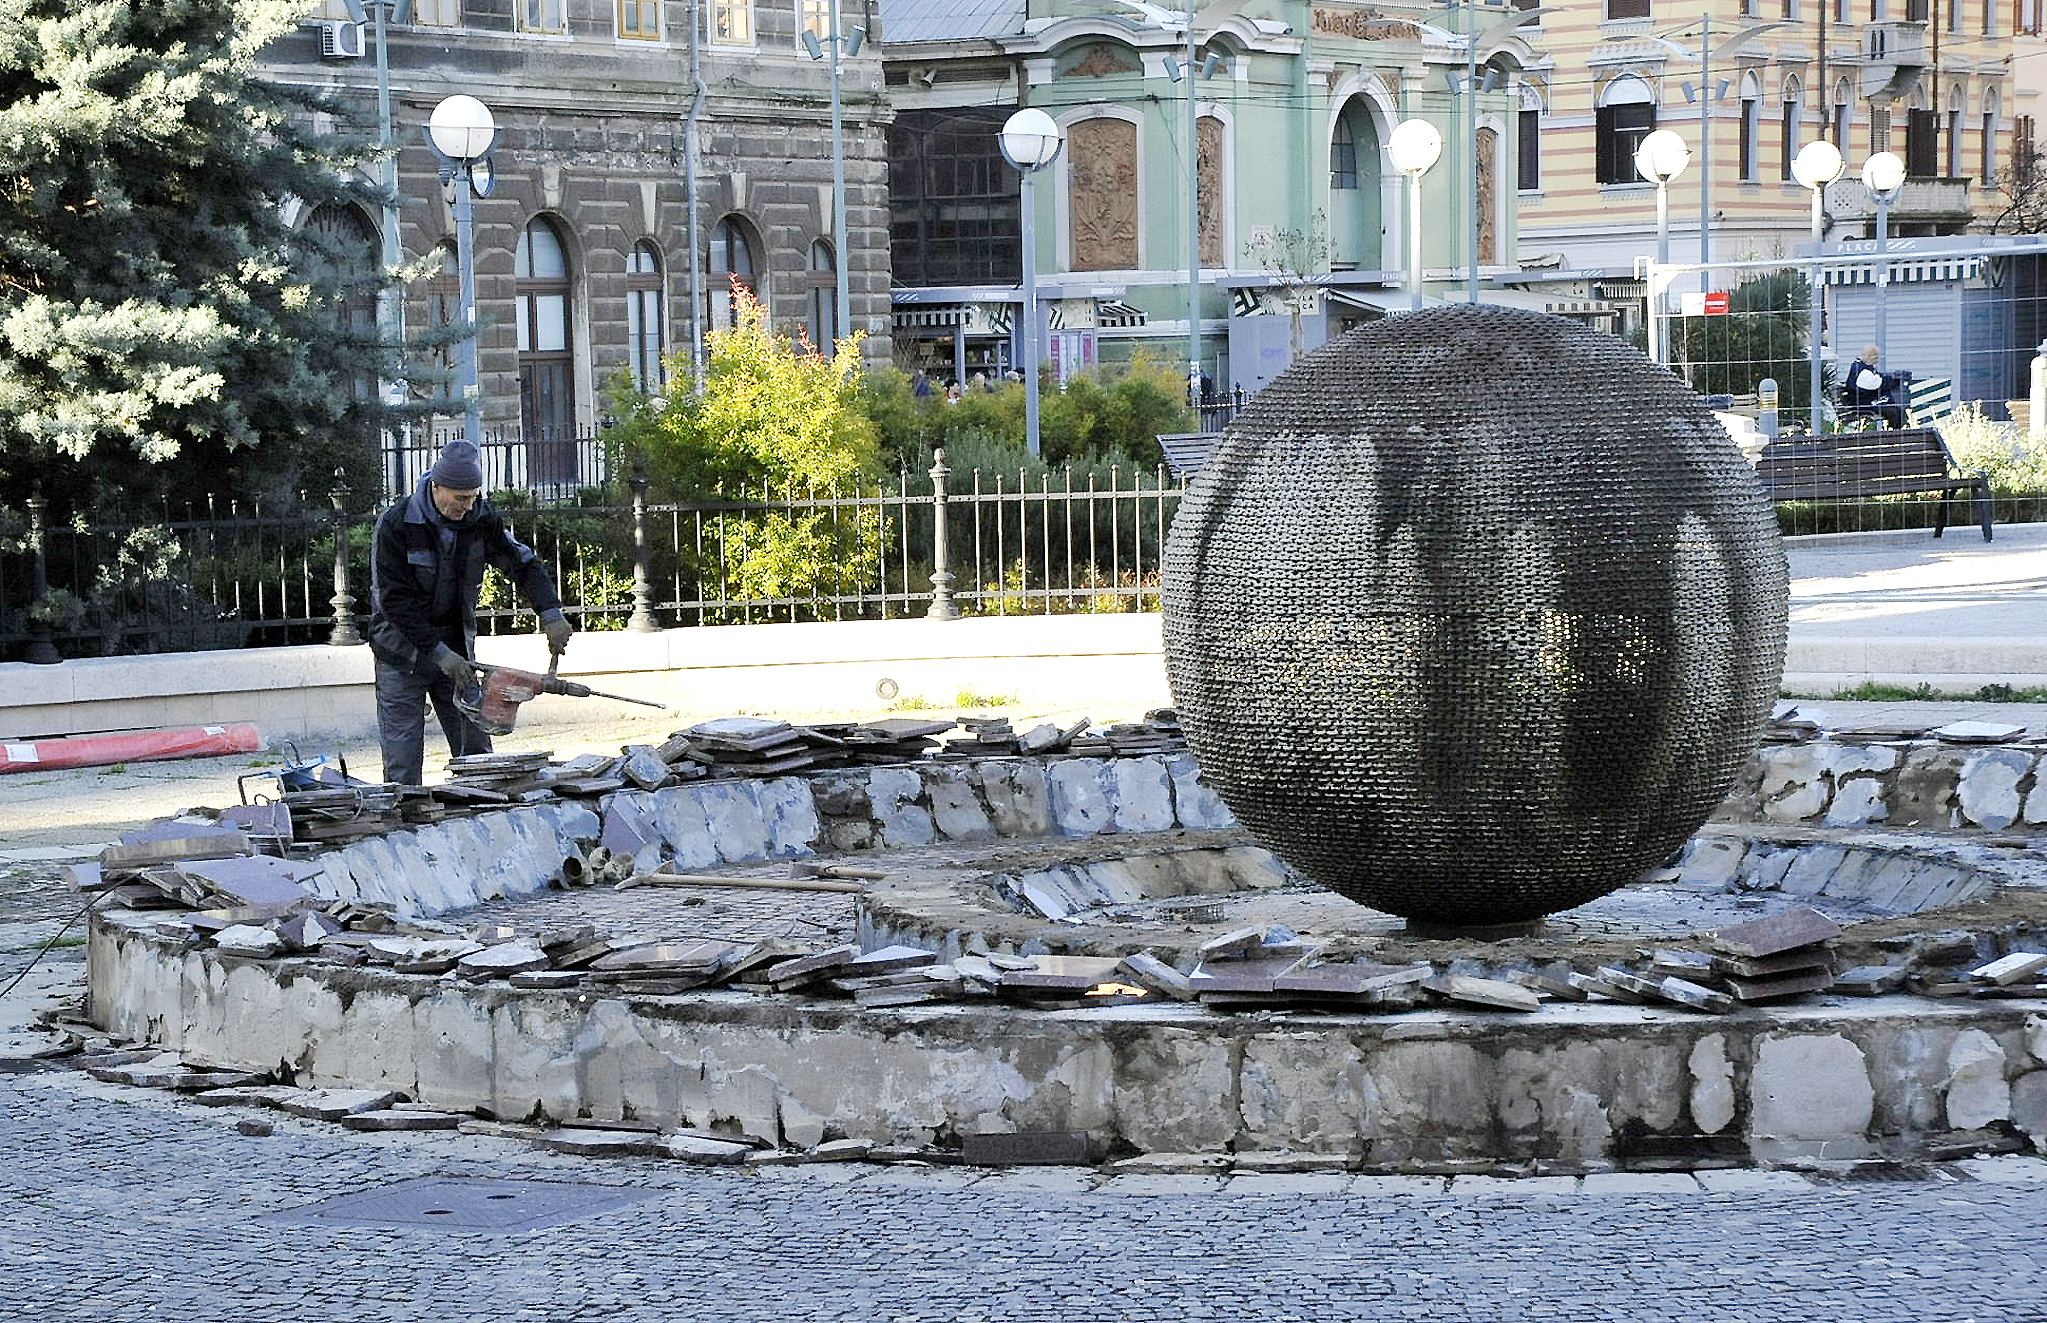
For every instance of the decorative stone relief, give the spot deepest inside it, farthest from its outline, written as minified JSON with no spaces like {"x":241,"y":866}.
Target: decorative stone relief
{"x":1208,"y":176}
{"x":1488,"y":196}
{"x":1103,"y":59}
{"x":1102,"y":198}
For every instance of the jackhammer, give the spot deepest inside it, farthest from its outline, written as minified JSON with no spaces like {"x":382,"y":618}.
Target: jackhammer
{"x":493,"y":702}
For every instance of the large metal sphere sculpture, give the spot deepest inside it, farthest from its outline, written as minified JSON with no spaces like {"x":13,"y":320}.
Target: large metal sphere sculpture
{"x":1474,"y":615}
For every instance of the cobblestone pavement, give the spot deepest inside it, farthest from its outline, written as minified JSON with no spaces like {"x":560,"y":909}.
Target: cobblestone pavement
{"x":125,"y":1204}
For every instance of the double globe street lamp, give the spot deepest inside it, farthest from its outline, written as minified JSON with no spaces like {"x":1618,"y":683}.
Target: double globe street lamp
{"x":1883,"y":175}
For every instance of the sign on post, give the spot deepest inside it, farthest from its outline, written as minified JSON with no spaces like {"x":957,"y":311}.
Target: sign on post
{"x":1711,"y":303}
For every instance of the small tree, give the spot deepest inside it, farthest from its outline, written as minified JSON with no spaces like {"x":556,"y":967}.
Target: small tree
{"x":2023,"y":187}
{"x":155,"y":305}
{"x":1294,"y":257}
{"x":773,"y":418}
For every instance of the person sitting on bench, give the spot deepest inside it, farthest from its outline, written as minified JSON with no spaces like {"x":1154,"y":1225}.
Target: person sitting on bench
{"x":1867,"y":392}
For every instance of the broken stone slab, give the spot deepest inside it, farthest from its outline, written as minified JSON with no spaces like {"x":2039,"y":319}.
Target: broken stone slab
{"x":505,"y":958}
{"x":176,"y":849}
{"x":887,"y":959}
{"x":399,"y":950}
{"x":248,"y":1095}
{"x":247,"y":939}
{"x":1596,"y":986}
{"x":1284,"y":1161}
{"x":644,"y":767}
{"x":1148,"y":971}
{"x":1071,"y":975}
{"x":1238,"y":975}
{"x":702,"y":957}
{"x":2013,"y":968}
{"x":333,"y":1104}
{"x":1977,"y":732}
{"x":1544,"y":986}
{"x":546,"y":978}
{"x":1169,"y":1164}
{"x":602,"y":1143}
{"x":838,"y":1150}
{"x":1773,"y":933}
{"x":494,"y":1129}
{"x":1234,"y":944}
{"x":1789,"y":985}
{"x":1798,"y":960}
{"x":307,"y":930}
{"x":1869,"y":980}
{"x":401,"y":1118}
{"x":1684,"y":992}
{"x":699,"y":1148}
{"x":1492,"y":993}
{"x":254,"y":880}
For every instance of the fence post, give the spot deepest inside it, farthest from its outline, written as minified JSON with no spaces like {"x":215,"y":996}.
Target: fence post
{"x":941,"y":577}
{"x":642,"y":619}
{"x":41,"y":651}
{"x":344,"y":634}
{"x":2036,"y":398}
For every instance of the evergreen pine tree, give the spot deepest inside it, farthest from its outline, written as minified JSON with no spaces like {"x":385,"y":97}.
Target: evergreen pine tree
{"x":165,"y":330}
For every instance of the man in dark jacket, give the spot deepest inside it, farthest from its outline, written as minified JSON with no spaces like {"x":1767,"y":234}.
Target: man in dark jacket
{"x":426,"y":568}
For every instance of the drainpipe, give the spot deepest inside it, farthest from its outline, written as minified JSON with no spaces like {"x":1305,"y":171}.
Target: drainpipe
{"x":689,"y":175}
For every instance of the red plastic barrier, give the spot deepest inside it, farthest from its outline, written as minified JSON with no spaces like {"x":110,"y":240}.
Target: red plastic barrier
{"x":139,"y":746}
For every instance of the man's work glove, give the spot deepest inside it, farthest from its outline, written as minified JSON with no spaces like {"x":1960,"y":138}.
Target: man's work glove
{"x":557,"y":628}
{"x":453,"y":665}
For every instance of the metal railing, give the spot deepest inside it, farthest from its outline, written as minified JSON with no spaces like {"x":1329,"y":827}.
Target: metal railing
{"x":935,"y":543}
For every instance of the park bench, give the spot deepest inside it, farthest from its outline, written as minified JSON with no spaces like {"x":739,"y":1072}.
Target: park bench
{"x":1890,"y":462}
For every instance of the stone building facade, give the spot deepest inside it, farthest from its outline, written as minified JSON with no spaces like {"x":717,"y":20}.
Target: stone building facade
{"x":583,"y":248}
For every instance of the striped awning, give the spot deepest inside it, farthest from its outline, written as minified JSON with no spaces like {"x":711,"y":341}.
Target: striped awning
{"x":1904,"y":272}
{"x":1622,"y":289}
{"x":920,"y":319}
{"x":1110,"y":313}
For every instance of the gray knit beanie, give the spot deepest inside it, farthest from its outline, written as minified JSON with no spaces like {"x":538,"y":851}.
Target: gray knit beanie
{"x":459,"y":468}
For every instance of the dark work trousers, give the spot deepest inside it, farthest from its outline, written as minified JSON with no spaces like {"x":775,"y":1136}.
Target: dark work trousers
{"x":401,"y":721}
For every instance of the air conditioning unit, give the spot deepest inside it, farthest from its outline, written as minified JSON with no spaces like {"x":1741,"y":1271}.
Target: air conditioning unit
{"x":341,"y":39}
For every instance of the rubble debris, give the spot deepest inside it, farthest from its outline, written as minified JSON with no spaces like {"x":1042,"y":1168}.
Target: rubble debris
{"x":1786,"y":954}
{"x":1492,"y":993}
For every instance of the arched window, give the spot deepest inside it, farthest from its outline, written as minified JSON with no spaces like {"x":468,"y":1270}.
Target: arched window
{"x":1988,"y":174}
{"x":645,"y":334}
{"x":1956,"y":105}
{"x":1840,"y":116}
{"x":341,"y":247}
{"x":1528,"y":142}
{"x":1343,"y":155}
{"x":1626,"y":115}
{"x":1751,"y":126}
{"x":821,"y":290}
{"x":731,"y":262}
{"x":1791,"y":126}
{"x":540,"y":272}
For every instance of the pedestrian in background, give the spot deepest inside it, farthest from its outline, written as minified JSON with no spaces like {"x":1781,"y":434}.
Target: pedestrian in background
{"x":426,"y":569}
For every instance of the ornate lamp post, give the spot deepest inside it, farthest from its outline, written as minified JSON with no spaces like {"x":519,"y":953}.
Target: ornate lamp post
{"x":1414,"y":147}
{"x":1030,"y":142}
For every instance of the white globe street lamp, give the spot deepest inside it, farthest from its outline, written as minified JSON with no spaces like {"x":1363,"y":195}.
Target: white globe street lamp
{"x":1414,"y":146}
{"x":1817,"y":165}
{"x":1659,"y":158}
{"x":461,"y":129}
{"x":1883,"y":175}
{"x":1030,"y":142}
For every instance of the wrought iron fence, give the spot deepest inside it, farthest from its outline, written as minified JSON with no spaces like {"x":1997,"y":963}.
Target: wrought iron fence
{"x":1011,"y":543}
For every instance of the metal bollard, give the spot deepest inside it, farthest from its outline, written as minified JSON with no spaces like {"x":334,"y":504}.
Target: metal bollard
{"x":1766,"y":407}
{"x":941,"y":577}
